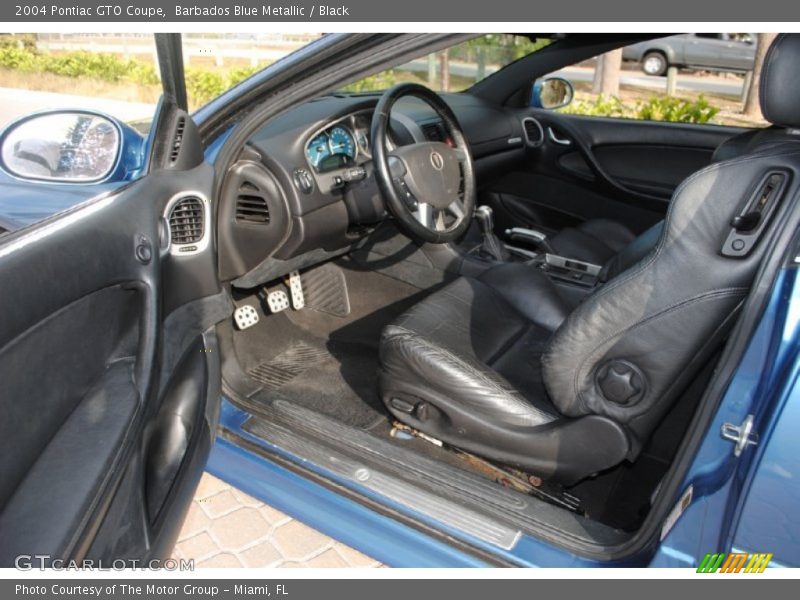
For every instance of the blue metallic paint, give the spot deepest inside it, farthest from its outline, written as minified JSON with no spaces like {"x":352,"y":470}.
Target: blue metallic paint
{"x":765,"y":385}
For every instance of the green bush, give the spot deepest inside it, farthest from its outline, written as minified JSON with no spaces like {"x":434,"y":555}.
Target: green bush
{"x":676,"y":110}
{"x":239,"y":74}
{"x":599,"y":107}
{"x":20,"y":59}
{"x":378,"y":82}
{"x":106,"y":67}
{"x":201,"y":85}
{"x":143,"y":73}
{"x":655,"y":108}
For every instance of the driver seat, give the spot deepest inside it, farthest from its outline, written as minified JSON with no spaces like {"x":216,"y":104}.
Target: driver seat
{"x":502,"y":365}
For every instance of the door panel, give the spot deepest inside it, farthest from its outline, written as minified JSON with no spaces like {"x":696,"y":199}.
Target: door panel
{"x":105,"y":429}
{"x":597,"y":167}
{"x":632,"y":165}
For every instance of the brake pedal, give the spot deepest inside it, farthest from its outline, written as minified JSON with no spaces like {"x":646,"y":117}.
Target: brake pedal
{"x":245,"y":316}
{"x":277,"y":301}
{"x":296,"y":289}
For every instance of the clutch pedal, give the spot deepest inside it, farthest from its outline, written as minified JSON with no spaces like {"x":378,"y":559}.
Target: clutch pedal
{"x":245,"y":316}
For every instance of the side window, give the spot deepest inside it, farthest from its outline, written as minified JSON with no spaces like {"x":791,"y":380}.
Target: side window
{"x":457,"y":68}
{"x":689,"y":78}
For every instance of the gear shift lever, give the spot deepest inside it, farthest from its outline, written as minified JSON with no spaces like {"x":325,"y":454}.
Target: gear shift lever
{"x":491,"y":245}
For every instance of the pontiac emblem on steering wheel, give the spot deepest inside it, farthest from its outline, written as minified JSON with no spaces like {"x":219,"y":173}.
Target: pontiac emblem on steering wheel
{"x":437,"y":160}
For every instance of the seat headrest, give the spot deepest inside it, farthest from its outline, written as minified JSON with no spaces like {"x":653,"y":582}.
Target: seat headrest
{"x":779,"y":89}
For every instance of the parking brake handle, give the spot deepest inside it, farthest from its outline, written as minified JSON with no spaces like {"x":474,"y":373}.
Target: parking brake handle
{"x":532,"y":237}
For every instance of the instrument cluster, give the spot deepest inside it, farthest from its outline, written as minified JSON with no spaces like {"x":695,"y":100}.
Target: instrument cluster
{"x":339,"y":145}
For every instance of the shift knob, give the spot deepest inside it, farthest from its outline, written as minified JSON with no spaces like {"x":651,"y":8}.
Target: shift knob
{"x":491,"y":245}
{"x":485,"y":218}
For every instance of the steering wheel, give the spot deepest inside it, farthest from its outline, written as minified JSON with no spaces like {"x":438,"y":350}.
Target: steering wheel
{"x":429,"y":187}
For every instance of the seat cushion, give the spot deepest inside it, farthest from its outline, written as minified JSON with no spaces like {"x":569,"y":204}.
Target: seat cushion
{"x":594,"y":241}
{"x":478,"y":340}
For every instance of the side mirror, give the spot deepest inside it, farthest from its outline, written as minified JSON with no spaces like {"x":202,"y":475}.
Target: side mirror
{"x":551,"y":93}
{"x":62,"y":146}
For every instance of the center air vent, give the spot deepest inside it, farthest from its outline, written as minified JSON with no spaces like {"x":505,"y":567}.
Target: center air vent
{"x":187,"y":224}
{"x":534,"y":134}
{"x":251,"y":204}
{"x":177,"y":140}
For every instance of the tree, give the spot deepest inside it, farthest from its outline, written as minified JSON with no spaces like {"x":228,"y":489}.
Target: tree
{"x":606,"y":73}
{"x":444,"y":70}
{"x":751,"y":104}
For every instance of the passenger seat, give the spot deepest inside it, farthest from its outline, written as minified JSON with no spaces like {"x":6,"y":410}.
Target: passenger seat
{"x":610,"y":243}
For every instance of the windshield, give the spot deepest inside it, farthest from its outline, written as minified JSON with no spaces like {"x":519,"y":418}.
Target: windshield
{"x":456,"y":68}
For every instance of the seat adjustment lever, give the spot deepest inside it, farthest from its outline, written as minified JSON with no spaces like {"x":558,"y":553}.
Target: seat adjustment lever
{"x":747,"y":221}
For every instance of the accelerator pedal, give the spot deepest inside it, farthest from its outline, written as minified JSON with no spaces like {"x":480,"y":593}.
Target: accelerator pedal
{"x":296,"y":290}
{"x":245,"y":316}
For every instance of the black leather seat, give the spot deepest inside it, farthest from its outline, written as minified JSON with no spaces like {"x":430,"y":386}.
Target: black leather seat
{"x":502,"y":366}
{"x":595,"y":241}
{"x":600,"y":241}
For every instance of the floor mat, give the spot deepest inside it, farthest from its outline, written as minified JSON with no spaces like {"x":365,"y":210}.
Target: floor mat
{"x":325,"y":289}
{"x":325,"y":357}
{"x":336,"y":379}
{"x":289,"y":364}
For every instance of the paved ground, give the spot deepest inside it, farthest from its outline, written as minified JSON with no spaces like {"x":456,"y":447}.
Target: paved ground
{"x":227,"y":528}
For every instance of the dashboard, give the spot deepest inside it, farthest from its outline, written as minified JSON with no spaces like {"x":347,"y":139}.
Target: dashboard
{"x":303,"y":189}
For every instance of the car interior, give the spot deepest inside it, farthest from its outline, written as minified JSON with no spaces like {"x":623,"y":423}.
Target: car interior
{"x":473,"y":312}
{"x":532,"y":368}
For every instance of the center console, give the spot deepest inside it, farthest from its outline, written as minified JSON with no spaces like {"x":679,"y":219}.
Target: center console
{"x":575,"y":278}
{"x":569,"y":270}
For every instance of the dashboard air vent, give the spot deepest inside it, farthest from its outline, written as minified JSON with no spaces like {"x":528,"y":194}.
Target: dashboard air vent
{"x":534,"y":134}
{"x":187,"y":221}
{"x":433,"y":132}
{"x":177,"y":140}
{"x":251,"y":204}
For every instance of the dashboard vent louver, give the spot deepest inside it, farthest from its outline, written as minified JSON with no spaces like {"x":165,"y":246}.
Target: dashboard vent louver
{"x":251,"y":204}
{"x":433,"y":132}
{"x":177,"y":140}
{"x":187,"y":221}
{"x":534,"y":134}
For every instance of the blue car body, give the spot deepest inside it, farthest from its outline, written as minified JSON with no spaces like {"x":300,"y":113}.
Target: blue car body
{"x":744,"y":503}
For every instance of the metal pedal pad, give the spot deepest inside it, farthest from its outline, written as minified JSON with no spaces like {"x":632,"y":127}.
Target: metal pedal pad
{"x":245,"y":316}
{"x":296,"y":289}
{"x":277,"y":301}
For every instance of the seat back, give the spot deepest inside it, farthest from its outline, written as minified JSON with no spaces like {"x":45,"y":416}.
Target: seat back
{"x":631,"y":347}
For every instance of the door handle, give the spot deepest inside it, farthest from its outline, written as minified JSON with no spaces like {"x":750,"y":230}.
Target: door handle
{"x":555,"y":139}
